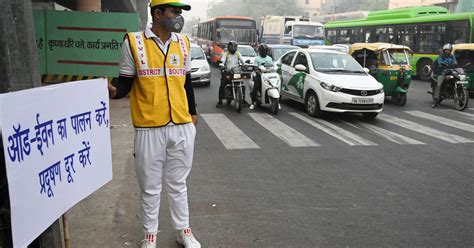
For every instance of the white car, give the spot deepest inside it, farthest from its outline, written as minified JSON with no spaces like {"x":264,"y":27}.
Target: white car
{"x":247,"y":52}
{"x":200,"y":69}
{"x":332,"y":81}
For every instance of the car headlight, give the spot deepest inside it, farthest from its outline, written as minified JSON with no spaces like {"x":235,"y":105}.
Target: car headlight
{"x":330,"y":87}
{"x":205,"y":68}
{"x":380,"y":91}
{"x":237,"y":76}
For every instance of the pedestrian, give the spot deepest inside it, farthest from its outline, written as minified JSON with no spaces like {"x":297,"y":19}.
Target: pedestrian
{"x":155,"y":69}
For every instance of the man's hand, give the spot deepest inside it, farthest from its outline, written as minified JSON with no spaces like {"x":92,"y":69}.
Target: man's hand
{"x":194,"y":119}
{"x":112,"y":90}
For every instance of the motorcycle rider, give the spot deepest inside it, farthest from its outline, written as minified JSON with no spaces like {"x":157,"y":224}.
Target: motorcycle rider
{"x":445,"y":59}
{"x":261,"y":59}
{"x":232,"y":58}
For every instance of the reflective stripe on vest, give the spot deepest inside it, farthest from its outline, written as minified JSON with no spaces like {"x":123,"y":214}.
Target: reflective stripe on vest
{"x":158,"y":96}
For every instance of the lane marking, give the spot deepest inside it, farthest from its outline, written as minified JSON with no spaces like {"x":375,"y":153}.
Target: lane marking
{"x":283,"y":131}
{"x":228,"y":133}
{"x":462,"y":114}
{"x":451,"y":138}
{"x":391,"y":136}
{"x":442,"y":120}
{"x":335,"y":131}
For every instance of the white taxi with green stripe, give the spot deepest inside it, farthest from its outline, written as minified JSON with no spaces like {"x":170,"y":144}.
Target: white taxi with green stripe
{"x":332,"y":81}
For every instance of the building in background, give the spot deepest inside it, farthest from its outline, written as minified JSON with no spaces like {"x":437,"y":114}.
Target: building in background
{"x":410,"y":3}
{"x":465,"y":6}
{"x":311,"y":8}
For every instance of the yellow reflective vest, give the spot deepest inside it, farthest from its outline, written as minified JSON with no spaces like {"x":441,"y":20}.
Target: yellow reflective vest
{"x":158,"y":96}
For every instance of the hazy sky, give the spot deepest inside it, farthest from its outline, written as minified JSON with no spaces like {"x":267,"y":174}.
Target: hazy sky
{"x":198,"y":8}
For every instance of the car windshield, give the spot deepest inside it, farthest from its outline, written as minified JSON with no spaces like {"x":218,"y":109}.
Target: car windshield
{"x":278,"y":52}
{"x":305,"y":31}
{"x":397,"y":57}
{"x":238,"y":35}
{"x":247,"y":51}
{"x":196,"y":53}
{"x":335,"y":62}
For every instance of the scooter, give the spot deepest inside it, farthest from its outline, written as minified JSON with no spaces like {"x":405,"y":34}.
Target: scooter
{"x":270,"y":89}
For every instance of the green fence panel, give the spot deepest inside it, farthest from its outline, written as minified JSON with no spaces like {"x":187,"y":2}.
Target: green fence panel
{"x":86,"y":43}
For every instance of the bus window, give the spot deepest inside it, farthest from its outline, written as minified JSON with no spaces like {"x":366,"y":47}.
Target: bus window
{"x":432,"y":37}
{"x":384,"y":34}
{"x":406,"y":36}
{"x":458,"y":32}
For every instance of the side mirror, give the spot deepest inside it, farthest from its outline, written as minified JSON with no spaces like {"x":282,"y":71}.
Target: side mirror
{"x":366,"y":70}
{"x":300,"y":67}
{"x":247,"y":61}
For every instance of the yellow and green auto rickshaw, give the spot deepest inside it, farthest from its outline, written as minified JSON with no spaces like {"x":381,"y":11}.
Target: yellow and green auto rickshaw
{"x":464,"y":54}
{"x":389,"y":64}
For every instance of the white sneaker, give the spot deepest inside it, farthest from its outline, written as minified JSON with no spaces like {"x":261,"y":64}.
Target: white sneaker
{"x":252,"y":106}
{"x":279,"y":106}
{"x":149,"y":241}
{"x":185,"y":237}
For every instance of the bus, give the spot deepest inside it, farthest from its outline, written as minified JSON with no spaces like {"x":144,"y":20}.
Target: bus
{"x":291,"y":30}
{"x":194,"y":30}
{"x":423,"y":29}
{"x":214,"y":34}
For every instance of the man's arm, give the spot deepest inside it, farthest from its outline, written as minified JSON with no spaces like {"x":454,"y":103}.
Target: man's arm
{"x":241,"y":59}
{"x":190,"y":95}
{"x":121,"y":87}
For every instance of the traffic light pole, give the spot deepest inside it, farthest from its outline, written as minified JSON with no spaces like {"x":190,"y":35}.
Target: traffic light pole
{"x":19,"y":70}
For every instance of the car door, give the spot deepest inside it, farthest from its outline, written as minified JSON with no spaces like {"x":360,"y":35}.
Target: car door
{"x":297,"y":79}
{"x":283,"y":69}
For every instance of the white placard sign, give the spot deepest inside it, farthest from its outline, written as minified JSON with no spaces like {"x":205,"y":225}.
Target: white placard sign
{"x":57,"y":151}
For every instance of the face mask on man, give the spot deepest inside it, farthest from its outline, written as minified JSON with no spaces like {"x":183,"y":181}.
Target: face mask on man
{"x":174,"y":24}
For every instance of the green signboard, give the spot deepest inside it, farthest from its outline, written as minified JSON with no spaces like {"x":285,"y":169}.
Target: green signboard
{"x":85,"y":43}
{"x":40,"y":28}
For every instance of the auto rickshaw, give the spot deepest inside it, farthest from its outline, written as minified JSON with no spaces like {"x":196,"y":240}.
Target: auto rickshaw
{"x":464,"y":54}
{"x":389,"y":64}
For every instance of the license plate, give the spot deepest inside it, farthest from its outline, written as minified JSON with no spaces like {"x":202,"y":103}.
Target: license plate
{"x":362,"y":100}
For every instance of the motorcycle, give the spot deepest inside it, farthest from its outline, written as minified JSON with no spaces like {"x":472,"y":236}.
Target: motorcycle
{"x":270,"y":87}
{"x":453,"y":87}
{"x":234,"y":88}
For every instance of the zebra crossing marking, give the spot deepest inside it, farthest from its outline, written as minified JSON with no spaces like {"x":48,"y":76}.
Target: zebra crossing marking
{"x":335,"y":131}
{"x":462,"y":114}
{"x":228,"y":133}
{"x":451,"y":138}
{"x":391,"y":136}
{"x":282,"y":130}
{"x":442,"y":120}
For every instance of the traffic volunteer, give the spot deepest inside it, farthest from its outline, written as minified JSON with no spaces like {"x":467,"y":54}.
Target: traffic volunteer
{"x":155,"y":69}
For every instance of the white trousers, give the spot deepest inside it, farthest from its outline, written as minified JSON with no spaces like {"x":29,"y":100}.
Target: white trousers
{"x":164,"y":155}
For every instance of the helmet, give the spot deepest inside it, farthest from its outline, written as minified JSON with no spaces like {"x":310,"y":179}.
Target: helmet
{"x":448,"y":47}
{"x":232,"y":47}
{"x":263,"y":50}
{"x":173,"y":3}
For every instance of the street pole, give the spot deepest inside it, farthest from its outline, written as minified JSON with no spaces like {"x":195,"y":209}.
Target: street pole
{"x":19,"y":70}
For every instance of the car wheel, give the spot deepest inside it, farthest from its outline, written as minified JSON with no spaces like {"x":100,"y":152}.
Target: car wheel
{"x":312,"y":105}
